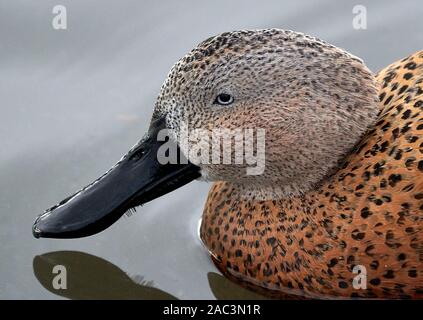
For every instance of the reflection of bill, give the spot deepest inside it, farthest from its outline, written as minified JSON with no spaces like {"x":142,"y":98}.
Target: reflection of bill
{"x":91,"y":277}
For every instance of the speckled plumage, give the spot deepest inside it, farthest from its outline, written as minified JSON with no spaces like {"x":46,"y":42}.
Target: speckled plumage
{"x":343,"y":183}
{"x":368,"y":213}
{"x":314,"y":101}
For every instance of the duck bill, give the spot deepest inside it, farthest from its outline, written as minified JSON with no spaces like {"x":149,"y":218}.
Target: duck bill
{"x":136,"y":179}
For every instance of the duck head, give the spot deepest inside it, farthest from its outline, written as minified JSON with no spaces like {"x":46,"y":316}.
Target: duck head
{"x":270,"y":111}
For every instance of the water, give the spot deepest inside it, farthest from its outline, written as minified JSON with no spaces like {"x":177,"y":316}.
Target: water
{"x":74,"y":101}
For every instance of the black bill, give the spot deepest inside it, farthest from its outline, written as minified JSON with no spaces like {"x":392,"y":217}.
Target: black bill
{"x":136,"y":179}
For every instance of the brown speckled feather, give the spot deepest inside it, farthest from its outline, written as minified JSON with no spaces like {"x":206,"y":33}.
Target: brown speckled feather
{"x":368,"y":213}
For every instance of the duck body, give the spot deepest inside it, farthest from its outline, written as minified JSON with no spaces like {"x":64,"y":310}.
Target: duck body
{"x":336,"y":210}
{"x":368,"y":214}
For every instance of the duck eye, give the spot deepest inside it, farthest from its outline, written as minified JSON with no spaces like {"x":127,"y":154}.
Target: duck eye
{"x":224,"y":99}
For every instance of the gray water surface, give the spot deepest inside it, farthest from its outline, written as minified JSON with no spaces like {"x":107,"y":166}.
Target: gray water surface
{"x":74,"y":101}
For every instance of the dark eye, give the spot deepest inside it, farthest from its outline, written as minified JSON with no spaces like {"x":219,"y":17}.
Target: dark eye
{"x":224,"y":99}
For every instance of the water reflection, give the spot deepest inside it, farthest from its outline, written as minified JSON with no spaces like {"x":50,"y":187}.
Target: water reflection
{"x":223,"y":289}
{"x":91,"y":277}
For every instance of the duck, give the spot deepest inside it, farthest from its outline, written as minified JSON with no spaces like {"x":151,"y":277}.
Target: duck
{"x":337,"y":210}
